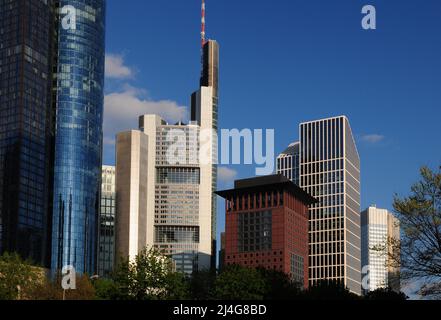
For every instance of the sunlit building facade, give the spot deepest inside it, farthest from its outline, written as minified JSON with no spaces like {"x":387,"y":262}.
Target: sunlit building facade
{"x":169,"y":207}
{"x":204,"y":111}
{"x":379,"y":228}
{"x":267,"y":226}
{"x":79,"y":97}
{"x":330,"y":172}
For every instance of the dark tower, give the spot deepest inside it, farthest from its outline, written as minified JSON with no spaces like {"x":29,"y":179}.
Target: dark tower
{"x":26,"y":130}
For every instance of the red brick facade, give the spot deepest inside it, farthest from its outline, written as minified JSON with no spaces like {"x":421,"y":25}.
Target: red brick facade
{"x":289,"y":229}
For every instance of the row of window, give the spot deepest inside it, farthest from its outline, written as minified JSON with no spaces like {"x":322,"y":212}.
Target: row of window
{"x":179,"y":234}
{"x":256,"y":201}
{"x":322,"y":140}
{"x":178,"y":175}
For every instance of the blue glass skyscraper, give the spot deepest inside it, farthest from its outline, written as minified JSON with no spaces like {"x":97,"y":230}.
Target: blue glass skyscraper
{"x":78,"y":135}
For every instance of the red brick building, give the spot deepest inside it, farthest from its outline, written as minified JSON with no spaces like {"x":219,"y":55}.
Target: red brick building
{"x":267,"y":225}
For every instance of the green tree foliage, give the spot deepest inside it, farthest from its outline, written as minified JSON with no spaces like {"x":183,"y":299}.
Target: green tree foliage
{"x":329,"y":290}
{"x":418,"y":253}
{"x":385,"y":295}
{"x":201,"y":284}
{"x":105,"y":289}
{"x":239,"y":283}
{"x":149,"y":277}
{"x":51,"y":289}
{"x":279,"y":286}
{"x":17,"y":277}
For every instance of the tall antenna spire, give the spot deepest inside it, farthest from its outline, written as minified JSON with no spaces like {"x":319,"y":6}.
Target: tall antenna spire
{"x":203,"y":24}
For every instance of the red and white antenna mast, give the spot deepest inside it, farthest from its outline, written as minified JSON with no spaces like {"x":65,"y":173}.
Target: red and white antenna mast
{"x":203,"y":41}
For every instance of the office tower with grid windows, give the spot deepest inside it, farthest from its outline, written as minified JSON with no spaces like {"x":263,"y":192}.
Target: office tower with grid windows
{"x":106,"y":232}
{"x":26,"y":130}
{"x":51,"y":100}
{"x":378,"y":228}
{"x":330,"y":172}
{"x":288,"y":162}
{"x":173,"y":189}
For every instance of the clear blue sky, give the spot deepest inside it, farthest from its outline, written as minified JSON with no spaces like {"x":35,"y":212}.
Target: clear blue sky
{"x":288,"y":61}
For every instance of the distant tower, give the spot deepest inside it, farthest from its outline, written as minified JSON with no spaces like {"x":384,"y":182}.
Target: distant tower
{"x":288,"y":162}
{"x":378,"y":227}
{"x":106,"y":232}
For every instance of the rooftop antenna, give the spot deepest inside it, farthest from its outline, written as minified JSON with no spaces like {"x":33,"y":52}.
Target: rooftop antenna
{"x":203,"y":41}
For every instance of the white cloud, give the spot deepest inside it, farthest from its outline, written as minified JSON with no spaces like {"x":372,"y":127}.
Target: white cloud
{"x":115,"y":68}
{"x":226,"y":175}
{"x":372,"y":138}
{"x":122,"y":110}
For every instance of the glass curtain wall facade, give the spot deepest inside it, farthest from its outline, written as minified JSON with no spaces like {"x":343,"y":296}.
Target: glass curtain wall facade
{"x":330,"y":172}
{"x":26,"y":47}
{"x":288,"y":163}
{"x":78,"y":142}
{"x":106,"y":238}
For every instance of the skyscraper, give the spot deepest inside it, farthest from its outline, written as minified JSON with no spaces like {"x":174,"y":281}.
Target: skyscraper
{"x":26,"y":133}
{"x":106,"y":235}
{"x":52,"y":78}
{"x":177,"y":214}
{"x":288,"y":162}
{"x":378,"y":227}
{"x":133,"y":225}
{"x":78,"y":140}
{"x":330,"y":172}
{"x":164,"y":199}
{"x":267,"y":226}
{"x":204,"y":111}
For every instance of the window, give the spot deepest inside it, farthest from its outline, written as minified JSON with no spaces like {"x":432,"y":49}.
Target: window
{"x":255,"y":231}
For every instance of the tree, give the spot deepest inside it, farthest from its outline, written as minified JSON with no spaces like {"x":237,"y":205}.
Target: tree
{"x":239,"y":283}
{"x":278,"y":285}
{"x":51,"y":289}
{"x":17,"y":277}
{"x":105,"y":289}
{"x":202,"y":284}
{"x":177,"y":287}
{"x":386,"y":294}
{"x":329,"y":290}
{"x":418,"y":253}
{"x":150,"y":276}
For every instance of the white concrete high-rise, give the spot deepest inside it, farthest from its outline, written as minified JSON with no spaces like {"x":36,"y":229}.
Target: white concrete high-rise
{"x":330,"y":172}
{"x":174,"y":206}
{"x":133,"y":225}
{"x":177,"y":190}
{"x":378,"y":227}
